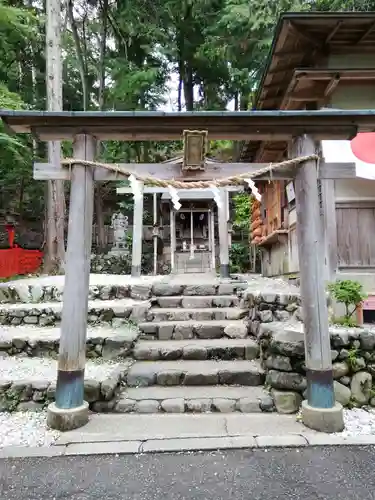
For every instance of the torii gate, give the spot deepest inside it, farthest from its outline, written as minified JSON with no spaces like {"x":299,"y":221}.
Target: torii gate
{"x":70,"y":411}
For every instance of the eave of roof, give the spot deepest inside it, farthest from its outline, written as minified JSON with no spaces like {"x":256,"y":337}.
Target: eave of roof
{"x":313,"y":19}
{"x":247,"y":125}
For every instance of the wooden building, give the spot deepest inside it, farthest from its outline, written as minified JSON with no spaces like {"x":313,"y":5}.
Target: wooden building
{"x":318,"y":60}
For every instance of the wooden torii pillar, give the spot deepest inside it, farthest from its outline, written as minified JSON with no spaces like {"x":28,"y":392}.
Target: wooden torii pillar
{"x":320,"y":411}
{"x":70,"y":410}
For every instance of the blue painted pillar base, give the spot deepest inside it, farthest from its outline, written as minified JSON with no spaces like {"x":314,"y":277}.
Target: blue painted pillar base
{"x":69,"y":389}
{"x":320,"y":392}
{"x":224,"y":271}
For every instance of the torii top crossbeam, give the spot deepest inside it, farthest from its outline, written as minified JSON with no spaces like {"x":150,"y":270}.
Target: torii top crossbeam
{"x":158,"y":126}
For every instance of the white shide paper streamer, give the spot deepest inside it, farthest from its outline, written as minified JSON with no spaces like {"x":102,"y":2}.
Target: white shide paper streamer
{"x":175,"y":198}
{"x":254,"y":189}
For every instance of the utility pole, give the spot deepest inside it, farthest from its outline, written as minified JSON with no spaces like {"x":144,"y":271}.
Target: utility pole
{"x":55,"y":256}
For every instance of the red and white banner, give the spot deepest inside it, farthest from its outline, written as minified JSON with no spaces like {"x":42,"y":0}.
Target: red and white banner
{"x":360,"y":150}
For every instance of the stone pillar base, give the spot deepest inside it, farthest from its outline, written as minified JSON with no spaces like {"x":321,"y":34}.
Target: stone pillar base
{"x":323,"y":419}
{"x":64,"y":419}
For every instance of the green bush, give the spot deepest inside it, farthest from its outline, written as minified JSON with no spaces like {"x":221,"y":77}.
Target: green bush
{"x":239,"y":258}
{"x":351,"y":294}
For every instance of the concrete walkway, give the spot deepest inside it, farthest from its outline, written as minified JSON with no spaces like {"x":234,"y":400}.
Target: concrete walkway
{"x":135,"y":434}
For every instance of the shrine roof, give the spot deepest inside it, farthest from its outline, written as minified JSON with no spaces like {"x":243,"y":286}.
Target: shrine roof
{"x":160,"y":126}
{"x":302,"y":38}
{"x":292,"y":78}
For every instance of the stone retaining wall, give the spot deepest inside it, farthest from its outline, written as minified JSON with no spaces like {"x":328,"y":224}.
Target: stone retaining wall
{"x":31,"y":395}
{"x":283,"y":358}
{"x":49,"y":315}
{"x":12,"y":293}
{"x":271,"y":307}
{"x":111,"y":347}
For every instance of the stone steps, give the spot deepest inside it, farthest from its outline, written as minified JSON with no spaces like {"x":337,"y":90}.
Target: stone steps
{"x":196,"y":302}
{"x":35,"y":341}
{"x":226,"y":349}
{"x":199,"y":314}
{"x":179,"y":330}
{"x":198,"y":399}
{"x":30,"y":383}
{"x":114,"y":312}
{"x":194,"y":373}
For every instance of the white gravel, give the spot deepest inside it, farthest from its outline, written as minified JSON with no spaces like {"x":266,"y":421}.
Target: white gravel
{"x":36,"y":333}
{"x":358,"y":422}
{"x":26,"y":429}
{"x":18,"y":368}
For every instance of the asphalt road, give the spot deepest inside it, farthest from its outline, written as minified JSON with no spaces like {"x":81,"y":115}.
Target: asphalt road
{"x":305,"y":474}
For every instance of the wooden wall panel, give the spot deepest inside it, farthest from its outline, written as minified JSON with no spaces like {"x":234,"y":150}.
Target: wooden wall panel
{"x":356,"y":236}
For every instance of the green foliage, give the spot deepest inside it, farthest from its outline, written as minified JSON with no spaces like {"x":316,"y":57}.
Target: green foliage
{"x":214,"y":49}
{"x":344,"y":321}
{"x":239,"y":258}
{"x":352,"y":356}
{"x":242,"y":210}
{"x":349,"y":293}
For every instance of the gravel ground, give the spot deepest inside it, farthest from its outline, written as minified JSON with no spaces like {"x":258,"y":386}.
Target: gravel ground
{"x":358,"y":422}
{"x":19,"y":368}
{"x":25,"y":429}
{"x":255,"y":280}
{"x":32,"y":332}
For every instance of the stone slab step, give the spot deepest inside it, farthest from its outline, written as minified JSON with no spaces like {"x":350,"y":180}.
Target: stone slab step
{"x":196,"y":302}
{"x":204,"y":314}
{"x":34,"y":341}
{"x":196,"y":349}
{"x":180,"y":399}
{"x":167,"y":373}
{"x":113,"y":312}
{"x":179,"y":330}
{"x":30,"y":383}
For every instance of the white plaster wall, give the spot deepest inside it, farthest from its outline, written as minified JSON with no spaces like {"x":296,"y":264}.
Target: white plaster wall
{"x":355,"y":97}
{"x":354,"y":189}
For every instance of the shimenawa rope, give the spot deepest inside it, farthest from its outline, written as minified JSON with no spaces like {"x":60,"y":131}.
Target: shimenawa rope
{"x":152,"y":181}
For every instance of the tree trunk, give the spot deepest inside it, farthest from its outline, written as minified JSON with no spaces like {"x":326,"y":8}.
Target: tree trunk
{"x":80,"y":56}
{"x":55,"y":224}
{"x":101,"y":240}
{"x":188,"y":88}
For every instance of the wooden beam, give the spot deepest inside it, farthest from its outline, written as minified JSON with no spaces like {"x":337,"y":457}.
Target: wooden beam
{"x":343,"y":74}
{"x":281,"y":69}
{"x":333,"y":32}
{"x":365,"y":34}
{"x":47,"y":171}
{"x":332,"y":86}
{"x":235,"y":133}
{"x":320,"y":393}
{"x":286,"y":53}
{"x":305,"y":36}
{"x":72,"y":350}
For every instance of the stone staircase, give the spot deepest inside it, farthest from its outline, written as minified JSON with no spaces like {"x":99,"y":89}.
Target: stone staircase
{"x":175,"y":344}
{"x":194,"y":354}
